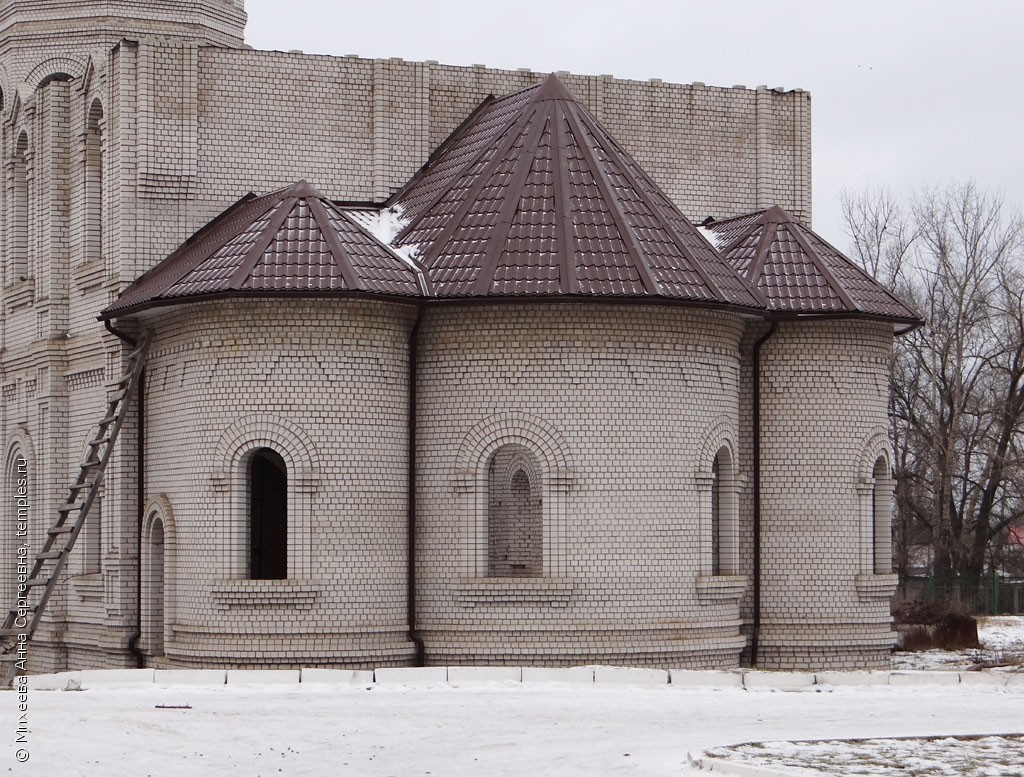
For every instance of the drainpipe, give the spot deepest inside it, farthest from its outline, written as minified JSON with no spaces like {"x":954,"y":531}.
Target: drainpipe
{"x":755,"y":633}
{"x":410,"y":578}
{"x":140,"y":452}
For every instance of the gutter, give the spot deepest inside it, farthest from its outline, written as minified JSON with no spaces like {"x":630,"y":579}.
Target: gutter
{"x":410,"y":578}
{"x":140,"y":453}
{"x":755,"y":633}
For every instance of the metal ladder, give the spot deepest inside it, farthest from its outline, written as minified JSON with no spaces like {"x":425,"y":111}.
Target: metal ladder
{"x":23,"y":618}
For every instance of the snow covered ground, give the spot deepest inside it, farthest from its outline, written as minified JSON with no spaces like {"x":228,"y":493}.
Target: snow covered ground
{"x":1002,"y":641}
{"x":486,"y":730}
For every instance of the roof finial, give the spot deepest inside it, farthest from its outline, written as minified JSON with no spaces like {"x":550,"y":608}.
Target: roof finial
{"x":552,"y":88}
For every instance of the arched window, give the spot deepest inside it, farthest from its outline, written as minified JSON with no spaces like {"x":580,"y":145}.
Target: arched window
{"x":724,"y":519}
{"x":91,"y":539}
{"x":94,"y":247}
{"x":153,"y":602}
{"x":515,"y":518}
{"x":19,"y":212}
{"x":268,"y":515}
{"x":716,"y":518}
{"x":881,"y":518}
{"x":16,"y":514}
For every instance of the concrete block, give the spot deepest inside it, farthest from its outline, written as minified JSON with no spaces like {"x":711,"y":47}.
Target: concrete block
{"x":484,"y":674}
{"x":190,"y":676}
{"x":777,"y":681}
{"x":706,"y":678}
{"x":1015,"y":680}
{"x":337,"y":676}
{"x":59,"y":681}
{"x":852,"y":678}
{"x":989,"y":678}
{"x":263,"y":676}
{"x":95,"y":678}
{"x":735,"y":768}
{"x":570,"y":674}
{"x":411,"y":675}
{"x":629,"y":675}
{"x":924,"y":678}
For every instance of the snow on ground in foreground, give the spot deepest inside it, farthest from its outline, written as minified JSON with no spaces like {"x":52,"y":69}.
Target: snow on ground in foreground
{"x":496,"y":730}
{"x":971,"y":757}
{"x":1001,"y":637}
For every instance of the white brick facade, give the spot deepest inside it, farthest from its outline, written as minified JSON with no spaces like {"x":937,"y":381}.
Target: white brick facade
{"x":125,"y":130}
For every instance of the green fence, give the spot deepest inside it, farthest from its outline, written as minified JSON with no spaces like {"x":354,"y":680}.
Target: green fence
{"x":990,"y":596}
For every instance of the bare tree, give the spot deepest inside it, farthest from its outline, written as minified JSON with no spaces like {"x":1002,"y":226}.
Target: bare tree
{"x":957,"y":399}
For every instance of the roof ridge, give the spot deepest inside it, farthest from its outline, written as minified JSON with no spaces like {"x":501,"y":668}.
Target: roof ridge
{"x":856,"y":267}
{"x":338,"y":252}
{"x":568,"y":278}
{"x":256,"y":251}
{"x":819,"y":264}
{"x":510,"y":135}
{"x":454,"y":135}
{"x":533,"y":131}
{"x":650,"y":283}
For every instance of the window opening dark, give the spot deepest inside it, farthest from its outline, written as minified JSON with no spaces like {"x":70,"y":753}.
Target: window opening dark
{"x":268,"y":516}
{"x":716,"y":519}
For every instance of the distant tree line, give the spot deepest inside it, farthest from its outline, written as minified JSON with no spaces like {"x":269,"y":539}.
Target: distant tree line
{"x":957,"y":389}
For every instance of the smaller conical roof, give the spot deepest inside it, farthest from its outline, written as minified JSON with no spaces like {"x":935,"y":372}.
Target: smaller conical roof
{"x":289,"y":241}
{"x":798,"y":272}
{"x":532,"y":197}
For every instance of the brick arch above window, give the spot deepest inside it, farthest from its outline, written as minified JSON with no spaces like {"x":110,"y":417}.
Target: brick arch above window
{"x":56,"y":67}
{"x":514,"y":427}
{"x":719,"y":433}
{"x":875,"y":446}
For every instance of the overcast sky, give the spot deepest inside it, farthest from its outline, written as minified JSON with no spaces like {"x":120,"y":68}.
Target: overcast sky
{"x":905,"y":93}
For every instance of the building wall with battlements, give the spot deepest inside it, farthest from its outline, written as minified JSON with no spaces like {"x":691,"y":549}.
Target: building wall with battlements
{"x":128,"y":126}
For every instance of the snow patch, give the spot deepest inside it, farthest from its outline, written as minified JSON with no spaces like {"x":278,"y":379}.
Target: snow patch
{"x":385,"y":225}
{"x":712,"y":237}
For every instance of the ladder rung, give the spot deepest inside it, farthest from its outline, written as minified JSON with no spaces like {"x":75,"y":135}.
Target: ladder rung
{"x":117,"y":396}
{"x":36,"y":582}
{"x":79,"y":486}
{"x":11,"y":632}
{"x":98,"y":442}
{"x":108,"y":420}
{"x":49,"y":554}
{"x":67,"y":507}
{"x":66,"y":528}
{"x":10,"y":658}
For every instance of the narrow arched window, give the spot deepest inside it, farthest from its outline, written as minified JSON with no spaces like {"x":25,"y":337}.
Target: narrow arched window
{"x":19,"y":212}
{"x":93,"y":185}
{"x":716,"y":518}
{"x":153,"y":617}
{"x":16,"y":513}
{"x":268,"y":515}
{"x":724,"y":519}
{"x":515,"y":521}
{"x":91,"y":539}
{"x":881,"y":518}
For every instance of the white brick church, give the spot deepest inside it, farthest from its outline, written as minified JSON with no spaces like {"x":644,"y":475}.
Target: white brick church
{"x":440,"y":369}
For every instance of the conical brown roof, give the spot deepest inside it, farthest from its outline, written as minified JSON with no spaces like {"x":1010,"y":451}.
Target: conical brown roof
{"x":533,"y":198}
{"x":798,"y":272}
{"x":289,"y":241}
